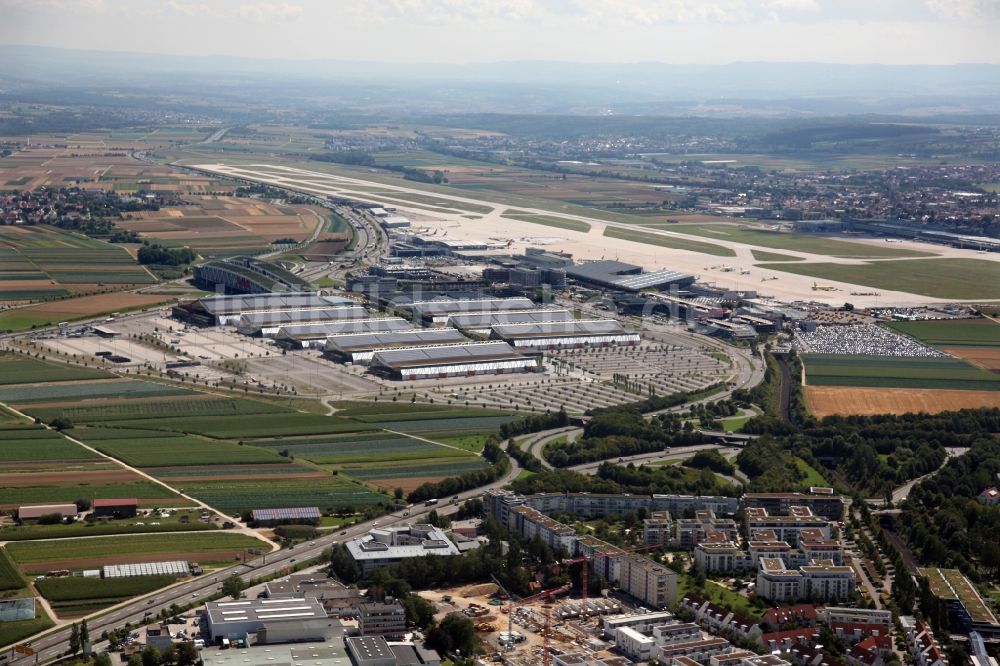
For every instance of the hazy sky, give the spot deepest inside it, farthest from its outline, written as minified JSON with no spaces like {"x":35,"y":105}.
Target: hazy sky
{"x":677,"y":31}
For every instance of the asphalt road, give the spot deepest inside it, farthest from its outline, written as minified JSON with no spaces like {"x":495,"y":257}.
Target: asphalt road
{"x":50,"y":646}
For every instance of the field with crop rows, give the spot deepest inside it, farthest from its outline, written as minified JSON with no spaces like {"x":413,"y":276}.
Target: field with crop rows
{"x":180,"y":521}
{"x":90,"y":390}
{"x":952,"y":332}
{"x":66,"y":490}
{"x":357,"y":448}
{"x":15,"y":369}
{"x":145,"y":412}
{"x":404,"y":470}
{"x":76,"y":595}
{"x":43,"y":262}
{"x":36,"y":444}
{"x":10,"y":577}
{"x":252,"y":425}
{"x":178,"y":450}
{"x":896,"y":372}
{"x":326,"y":492}
{"x":34,"y":556}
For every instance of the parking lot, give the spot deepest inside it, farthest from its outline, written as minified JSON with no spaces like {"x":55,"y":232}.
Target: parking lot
{"x":863,"y":339}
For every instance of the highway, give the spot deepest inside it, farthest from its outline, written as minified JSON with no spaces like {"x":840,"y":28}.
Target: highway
{"x":49,"y":646}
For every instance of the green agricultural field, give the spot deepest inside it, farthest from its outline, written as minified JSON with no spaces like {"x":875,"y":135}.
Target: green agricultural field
{"x":146,"y":492}
{"x":896,"y":372}
{"x":335,"y":492}
{"x":123,"y":388}
{"x":181,"y":521}
{"x":952,"y":332}
{"x":253,"y":425}
{"x":450,"y":426}
{"x":15,"y":369}
{"x":10,"y":577}
{"x":181,"y":451}
{"x":673,"y":242}
{"x":801,"y":242}
{"x":405,"y":470}
{"x":960,"y":279}
{"x":75,"y":594}
{"x":53,"y":447}
{"x":358,"y":448}
{"x":145,"y":412}
{"x":152,"y":546}
{"x":550,"y":221}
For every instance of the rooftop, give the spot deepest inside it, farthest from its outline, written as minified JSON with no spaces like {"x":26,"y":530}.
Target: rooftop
{"x":262,"y":610}
{"x":348,"y":342}
{"x":318,"y":654}
{"x":572,"y":328}
{"x":471,"y":352}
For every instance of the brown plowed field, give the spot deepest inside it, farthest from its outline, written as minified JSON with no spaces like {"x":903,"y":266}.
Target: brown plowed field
{"x":96,"y":304}
{"x":844,"y":400}
{"x":76,"y":478}
{"x":408,"y":485}
{"x":987,"y":358}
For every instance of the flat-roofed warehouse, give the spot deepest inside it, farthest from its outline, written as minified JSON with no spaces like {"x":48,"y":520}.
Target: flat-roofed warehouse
{"x":279,"y":620}
{"x":565,"y":334}
{"x":438,"y":311}
{"x":266,"y":324}
{"x":305,"y":336}
{"x":481,"y":323}
{"x":222,"y":310}
{"x":610,"y":274}
{"x":360,"y":347}
{"x":473,"y":358}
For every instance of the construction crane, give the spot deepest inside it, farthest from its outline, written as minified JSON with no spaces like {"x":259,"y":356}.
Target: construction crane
{"x":545,"y":595}
{"x":586,"y":560}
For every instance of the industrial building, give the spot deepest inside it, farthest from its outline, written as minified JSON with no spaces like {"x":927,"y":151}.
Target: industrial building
{"x":116,"y":508}
{"x":283,"y":620}
{"x":438,"y":361}
{"x":387,"y":545}
{"x":609,"y":274}
{"x":565,"y":334}
{"x":376,"y":651}
{"x":481,"y":323}
{"x":267,"y":324}
{"x":223,"y":310}
{"x":304,"y":336}
{"x":438,"y":311}
{"x":360,"y":347}
{"x":247,"y":275}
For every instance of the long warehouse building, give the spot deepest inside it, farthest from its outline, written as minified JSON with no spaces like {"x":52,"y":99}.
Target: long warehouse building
{"x":267,"y":324}
{"x":304,"y":336}
{"x":481,"y":323}
{"x":437,"y":312}
{"x":565,"y":334}
{"x":360,"y":347}
{"x":462,"y":360}
{"x":223,"y":310}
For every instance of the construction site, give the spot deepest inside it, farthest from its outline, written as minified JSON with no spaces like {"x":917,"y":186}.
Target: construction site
{"x":532,"y":630}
